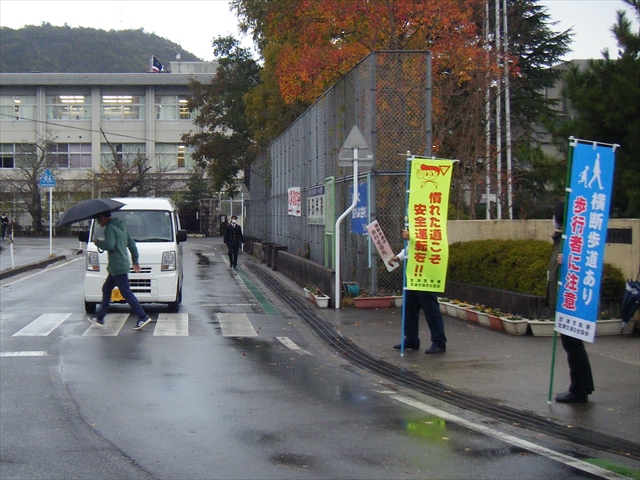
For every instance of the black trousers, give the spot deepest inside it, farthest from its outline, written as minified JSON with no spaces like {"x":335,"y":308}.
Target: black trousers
{"x":579,"y":366}
{"x":233,"y":255}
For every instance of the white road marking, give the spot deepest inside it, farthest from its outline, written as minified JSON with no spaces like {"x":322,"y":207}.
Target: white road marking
{"x":286,"y":341}
{"x":510,"y":439}
{"x":41,"y":271}
{"x":113,"y":323}
{"x":34,"y":353}
{"x":172,"y":324}
{"x":43,"y":325}
{"x":236,"y":325}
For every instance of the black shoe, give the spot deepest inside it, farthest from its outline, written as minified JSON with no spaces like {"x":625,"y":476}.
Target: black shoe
{"x":569,"y":397}
{"x":408,"y":346}
{"x":434,"y":349}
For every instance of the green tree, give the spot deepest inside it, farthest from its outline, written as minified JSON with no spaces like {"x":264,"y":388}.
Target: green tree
{"x":606,"y":98}
{"x":223,"y":145}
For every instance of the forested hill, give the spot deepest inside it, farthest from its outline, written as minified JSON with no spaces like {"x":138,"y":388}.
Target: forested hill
{"x":52,"y":49}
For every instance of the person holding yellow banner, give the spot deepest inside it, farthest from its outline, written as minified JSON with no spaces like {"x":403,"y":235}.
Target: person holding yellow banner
{"x":426,"y":301}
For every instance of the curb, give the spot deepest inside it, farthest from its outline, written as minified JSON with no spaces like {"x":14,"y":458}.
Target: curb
{"x":32,"y":266}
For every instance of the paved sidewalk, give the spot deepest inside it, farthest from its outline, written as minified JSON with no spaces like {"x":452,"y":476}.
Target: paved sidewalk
{"x":511,"y":370}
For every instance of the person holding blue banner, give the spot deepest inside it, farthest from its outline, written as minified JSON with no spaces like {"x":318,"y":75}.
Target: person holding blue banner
{"x":581,"y":385}
{"x":427,"y":302}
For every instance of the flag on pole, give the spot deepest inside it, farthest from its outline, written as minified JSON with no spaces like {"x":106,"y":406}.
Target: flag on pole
{"x":156,"y":66}
{"x":585,"y":233}
{"x":428,"y":202}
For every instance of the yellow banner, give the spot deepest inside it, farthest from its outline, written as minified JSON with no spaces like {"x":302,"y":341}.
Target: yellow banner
{"x":429,"y":184}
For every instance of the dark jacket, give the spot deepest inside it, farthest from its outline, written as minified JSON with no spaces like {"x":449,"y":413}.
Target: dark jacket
{"x":116,"y":242}
{"x":233,"y":235}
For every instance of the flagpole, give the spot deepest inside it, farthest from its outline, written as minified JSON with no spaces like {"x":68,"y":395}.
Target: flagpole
{"x":151,"y":64}
{"x":564,"y":219}
{"x":406,"y":246}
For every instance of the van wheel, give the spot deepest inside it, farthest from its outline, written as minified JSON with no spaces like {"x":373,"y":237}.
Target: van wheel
{"x":90,"y":307}
{"x":175,"y":306}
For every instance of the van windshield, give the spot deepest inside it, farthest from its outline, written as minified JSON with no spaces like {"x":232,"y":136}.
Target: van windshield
{"x":143,"y":225}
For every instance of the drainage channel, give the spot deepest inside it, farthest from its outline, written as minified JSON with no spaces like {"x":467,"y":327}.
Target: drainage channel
{"x":358,"y":357}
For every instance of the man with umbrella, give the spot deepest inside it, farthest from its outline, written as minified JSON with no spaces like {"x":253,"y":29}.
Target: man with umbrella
{"x":116,"y":243}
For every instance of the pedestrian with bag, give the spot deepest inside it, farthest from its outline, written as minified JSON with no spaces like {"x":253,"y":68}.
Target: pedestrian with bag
{"x":233,"y":238}
{"x":118,"y":243}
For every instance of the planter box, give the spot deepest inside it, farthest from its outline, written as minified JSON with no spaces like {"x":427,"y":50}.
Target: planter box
{"x":515,"y":327}
{"x":320,"y":299}
{"x":609,"y":327}
{"x":446,"y":308}
{"x":483,"y":319}
{"x":472,"y":315}
{"x":397,"y":301}
{"x":603,"y":327}
{"x":495,"y":322}
{"x":460,"y":311}
{"x":373,"y":302}
{"x":542,"y":328}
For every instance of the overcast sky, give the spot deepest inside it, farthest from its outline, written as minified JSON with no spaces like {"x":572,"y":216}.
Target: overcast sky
{"x":193,"y":24}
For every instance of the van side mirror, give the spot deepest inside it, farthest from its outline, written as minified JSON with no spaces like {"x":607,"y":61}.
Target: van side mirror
{"x":182,"y":236}
{"x":83,"y":236}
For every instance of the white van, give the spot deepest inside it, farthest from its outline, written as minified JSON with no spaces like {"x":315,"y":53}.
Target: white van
{"x":154,"y":225}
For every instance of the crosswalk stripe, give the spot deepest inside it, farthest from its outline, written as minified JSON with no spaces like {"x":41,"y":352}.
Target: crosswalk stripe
{"x":172,"y":324}
{"x":113,"y":323}
{"x":28,"y":353}
{"x":287,"y":342}
{"x":43,"y":325}
{"x":236,"y":325}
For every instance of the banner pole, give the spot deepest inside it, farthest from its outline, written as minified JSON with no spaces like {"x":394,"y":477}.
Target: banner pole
{"x":555,"y":333}
{"x":406,"y":246}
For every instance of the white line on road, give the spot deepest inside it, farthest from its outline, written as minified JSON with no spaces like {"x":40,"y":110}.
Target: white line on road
{"x":33,"y":353}
{"x":236,"y":325}
{"x":39,"y":272}
{"x":510,"y":439}
{"x":293,"y":346}
{"x":113,"y":323}
{"x":43,"y":325}
{"x":172,"y":324}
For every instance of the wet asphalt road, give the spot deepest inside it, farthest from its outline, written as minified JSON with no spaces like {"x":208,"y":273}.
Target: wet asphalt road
{"x":213,"y":405}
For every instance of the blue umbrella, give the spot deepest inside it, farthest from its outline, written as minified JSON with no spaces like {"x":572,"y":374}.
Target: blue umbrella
{"x":630,"y":300}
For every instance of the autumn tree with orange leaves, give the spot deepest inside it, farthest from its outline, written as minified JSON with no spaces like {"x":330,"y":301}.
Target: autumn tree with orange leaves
{"x":307,"y":45}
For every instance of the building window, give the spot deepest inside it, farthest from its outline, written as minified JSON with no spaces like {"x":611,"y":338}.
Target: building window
{"x":17,"y":107}
{"x":16,"y":155}
{"x":127,"y":153}
{"x":68,"y":107}
{"x":170,"y":155}
{"x":70,"y":155}
{"x":172,"y":107}
{"x":122,"y":107}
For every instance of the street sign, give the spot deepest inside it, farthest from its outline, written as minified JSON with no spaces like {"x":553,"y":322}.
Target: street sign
{"x":355,"y":142}
{"x":47,"y":180}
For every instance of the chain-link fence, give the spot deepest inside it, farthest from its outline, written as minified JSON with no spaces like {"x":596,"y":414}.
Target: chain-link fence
{"x":387,"y":96}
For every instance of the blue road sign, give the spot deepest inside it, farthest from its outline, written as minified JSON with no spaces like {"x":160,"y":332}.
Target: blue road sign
{"x":47,"y":180}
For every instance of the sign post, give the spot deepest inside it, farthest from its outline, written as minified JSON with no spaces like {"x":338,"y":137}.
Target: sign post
{"x":48,"y":181}
{"x":356,"y":142}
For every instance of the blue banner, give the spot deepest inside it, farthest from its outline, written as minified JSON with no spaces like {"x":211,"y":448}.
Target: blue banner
{"x":585,"y":233}
{"x":360,"y":214}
